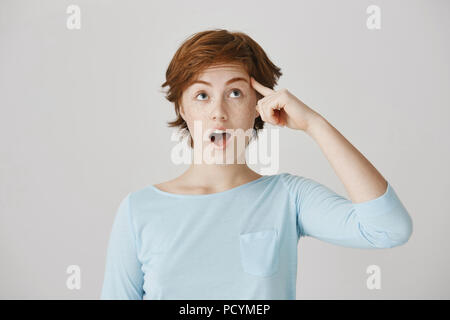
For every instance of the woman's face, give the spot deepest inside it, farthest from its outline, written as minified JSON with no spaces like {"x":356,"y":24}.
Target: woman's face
{"x":221,"y":96}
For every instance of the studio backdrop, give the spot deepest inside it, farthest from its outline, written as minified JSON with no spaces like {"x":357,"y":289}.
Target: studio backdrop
{"x":83,"y":122}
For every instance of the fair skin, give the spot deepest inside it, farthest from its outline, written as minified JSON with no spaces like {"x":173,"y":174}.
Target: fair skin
{"x":216,"y":103}
{"x":278,"y":107}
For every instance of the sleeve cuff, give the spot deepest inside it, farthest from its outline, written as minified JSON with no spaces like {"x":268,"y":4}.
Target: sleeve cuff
{"x":380,"y":205}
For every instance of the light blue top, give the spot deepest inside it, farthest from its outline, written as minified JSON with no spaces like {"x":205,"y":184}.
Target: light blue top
{"x":240,"y":243}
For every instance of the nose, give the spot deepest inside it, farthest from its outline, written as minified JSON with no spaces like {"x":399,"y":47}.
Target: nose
{"x":219,"y":111}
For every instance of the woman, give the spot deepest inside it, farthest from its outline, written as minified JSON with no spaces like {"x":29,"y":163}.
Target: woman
{"x":220,"y":230}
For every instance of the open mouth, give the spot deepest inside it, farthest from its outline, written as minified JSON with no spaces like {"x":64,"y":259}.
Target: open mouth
{"x":219,"y":138}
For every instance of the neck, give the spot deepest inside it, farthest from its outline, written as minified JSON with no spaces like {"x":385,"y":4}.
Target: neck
{"x":219,"y":176}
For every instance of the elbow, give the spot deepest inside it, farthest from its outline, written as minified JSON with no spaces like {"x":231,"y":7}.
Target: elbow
{"x":384,"y":221}
{"x":398,"y":237}
{"x":404,"y":233}
{"x":388,"y":237}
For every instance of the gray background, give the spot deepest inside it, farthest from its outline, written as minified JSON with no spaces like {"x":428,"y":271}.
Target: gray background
{"x":83,"y":123}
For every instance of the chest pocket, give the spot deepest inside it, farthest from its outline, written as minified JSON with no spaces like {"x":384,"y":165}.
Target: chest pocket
{"x":259,"y":252}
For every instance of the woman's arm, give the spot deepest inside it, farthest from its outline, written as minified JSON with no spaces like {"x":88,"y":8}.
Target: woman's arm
{"x":375,"y":216}
{"x":361,"y":179}
{"x":124,"y":278}
{"x":323,"y":214}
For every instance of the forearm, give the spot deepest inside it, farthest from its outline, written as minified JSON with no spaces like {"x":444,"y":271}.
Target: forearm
{"x":360,"y":178}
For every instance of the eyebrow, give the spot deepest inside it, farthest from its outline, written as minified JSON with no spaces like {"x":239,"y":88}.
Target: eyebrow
{"x":228,"y":82}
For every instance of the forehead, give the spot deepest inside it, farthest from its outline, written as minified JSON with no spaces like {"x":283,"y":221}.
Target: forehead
{"x":222,"y":72}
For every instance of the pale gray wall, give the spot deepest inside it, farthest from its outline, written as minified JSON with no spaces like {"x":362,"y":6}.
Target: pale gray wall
{"x":82,"y":116}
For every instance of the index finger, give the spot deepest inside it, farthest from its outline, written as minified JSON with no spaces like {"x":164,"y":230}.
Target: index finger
{"x":260,"y":88}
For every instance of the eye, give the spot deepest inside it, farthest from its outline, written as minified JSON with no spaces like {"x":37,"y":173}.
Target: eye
{"x":200,"y":94}
{"x":236,"y":90}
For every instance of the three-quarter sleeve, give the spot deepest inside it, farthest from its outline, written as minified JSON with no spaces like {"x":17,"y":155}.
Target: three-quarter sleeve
{"x":123,"y":278}
{"x":382,"y":222}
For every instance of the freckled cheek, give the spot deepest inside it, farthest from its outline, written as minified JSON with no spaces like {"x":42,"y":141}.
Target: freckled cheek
{"x":196,"y":113}
{"x":199,"y":113}
{"x":246,"y":108}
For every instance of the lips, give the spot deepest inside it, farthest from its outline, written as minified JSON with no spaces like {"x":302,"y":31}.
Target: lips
{"x":219,"y":136}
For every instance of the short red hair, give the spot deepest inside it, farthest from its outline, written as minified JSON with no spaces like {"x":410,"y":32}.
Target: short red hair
{"x":207,"y":48}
